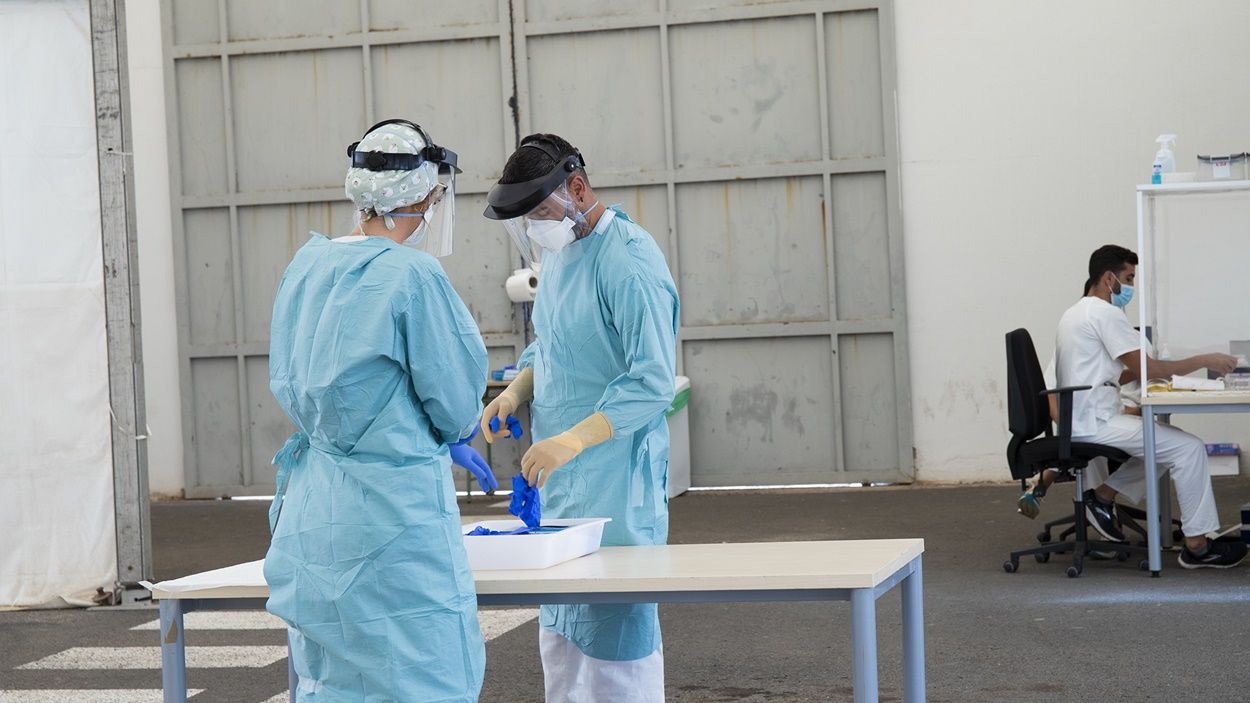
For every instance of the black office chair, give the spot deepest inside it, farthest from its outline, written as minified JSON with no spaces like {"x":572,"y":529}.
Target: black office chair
{"x":1034,"y":447}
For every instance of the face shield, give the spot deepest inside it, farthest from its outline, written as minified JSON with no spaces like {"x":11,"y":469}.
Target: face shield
{"x":540,"y":215}
{"x":397,"y":165}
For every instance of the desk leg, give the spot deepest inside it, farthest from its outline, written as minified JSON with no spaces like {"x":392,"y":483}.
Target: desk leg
{"x":864,"y":644}
{"x":913,"y":637}
{"x":173,"y":653}
{"x":292,"y":678}
{"x":1152,"y":491}
{"x":1165,"y":511}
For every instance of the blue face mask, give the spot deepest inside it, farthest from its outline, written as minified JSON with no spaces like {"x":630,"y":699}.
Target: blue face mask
{"x":1122,"y":297}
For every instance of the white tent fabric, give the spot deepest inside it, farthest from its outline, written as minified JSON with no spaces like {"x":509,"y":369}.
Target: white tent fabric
{"x":56,"y":486}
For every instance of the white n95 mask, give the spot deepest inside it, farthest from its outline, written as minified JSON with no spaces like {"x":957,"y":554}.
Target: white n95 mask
{"x":552,"y":235}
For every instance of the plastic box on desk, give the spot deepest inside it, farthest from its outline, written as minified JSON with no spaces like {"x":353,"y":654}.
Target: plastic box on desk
{"x":1230,"y":167}
{"x":539,"y":551}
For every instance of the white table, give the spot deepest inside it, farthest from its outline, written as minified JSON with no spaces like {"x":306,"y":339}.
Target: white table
{"x":1175,"y":403}
{"x":860,"y":571}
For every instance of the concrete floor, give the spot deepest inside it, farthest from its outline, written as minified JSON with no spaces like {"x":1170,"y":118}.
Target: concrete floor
{"x":1112,"y":635}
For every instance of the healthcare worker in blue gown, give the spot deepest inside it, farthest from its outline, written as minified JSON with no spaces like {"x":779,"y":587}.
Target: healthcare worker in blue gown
{"x":601,"y":375}
{"x":381,"y":368}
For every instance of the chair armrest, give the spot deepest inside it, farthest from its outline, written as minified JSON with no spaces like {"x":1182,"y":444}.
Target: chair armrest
{"x":1065,"y":417}
{"x":1065,"y":389}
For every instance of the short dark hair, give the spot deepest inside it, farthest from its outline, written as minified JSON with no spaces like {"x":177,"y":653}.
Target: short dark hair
{"x":1108,"y":257}
{"x":528,"y":164}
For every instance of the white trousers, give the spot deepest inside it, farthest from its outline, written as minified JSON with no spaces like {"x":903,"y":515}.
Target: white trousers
{"x":570,"y":676}
{"x":1184,"y":454}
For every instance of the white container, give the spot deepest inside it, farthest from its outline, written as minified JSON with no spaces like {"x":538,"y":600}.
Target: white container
{"x":494,"y":552}
{"x":1222,"y":168}
{"x":679,"y":444}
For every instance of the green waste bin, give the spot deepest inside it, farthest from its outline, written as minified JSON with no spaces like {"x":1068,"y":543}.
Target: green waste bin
{"x":679,"y":439}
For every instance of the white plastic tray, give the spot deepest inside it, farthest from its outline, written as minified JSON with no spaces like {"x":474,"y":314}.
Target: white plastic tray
{"x":492,"y":552}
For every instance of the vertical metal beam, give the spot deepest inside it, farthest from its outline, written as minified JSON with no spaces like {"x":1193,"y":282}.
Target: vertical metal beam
{"x":894,"y":225}
{"x":236,"y":264}
{"x":367,"y":57}
{"x":121,"y":292}
{"x":670,"y":166}
{"x":831,"y":259}
{"x":178,"y":229}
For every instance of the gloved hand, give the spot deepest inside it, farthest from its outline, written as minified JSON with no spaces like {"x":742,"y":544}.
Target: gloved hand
{"x":467,"y":458}
{"x":497,"y":411}
{"x":548,"y":455}
{"x":505,"y":405}
{"x":514,"y":427}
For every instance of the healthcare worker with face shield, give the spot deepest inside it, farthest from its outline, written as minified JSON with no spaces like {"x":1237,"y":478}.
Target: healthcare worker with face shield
{"x":601,"y":376}
{"x":381,"y":368}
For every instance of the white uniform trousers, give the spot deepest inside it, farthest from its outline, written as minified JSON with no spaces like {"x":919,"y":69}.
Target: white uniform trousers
{"x":570,"y":676}
{"x":1184,"y":454}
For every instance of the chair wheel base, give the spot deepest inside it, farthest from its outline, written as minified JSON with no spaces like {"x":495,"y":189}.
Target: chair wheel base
{"x":1010,"y":566}
{"x":1073,"y":572}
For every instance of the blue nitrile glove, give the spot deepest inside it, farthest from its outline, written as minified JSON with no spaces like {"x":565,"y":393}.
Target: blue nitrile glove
{"x":526,"y":503}
{"x":514,"y":426}
{"x":466,"y":457}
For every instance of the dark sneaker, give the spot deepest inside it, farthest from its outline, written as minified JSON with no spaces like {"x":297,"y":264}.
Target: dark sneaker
{"x":1218,"y":555}
{"x":1101,"y":517}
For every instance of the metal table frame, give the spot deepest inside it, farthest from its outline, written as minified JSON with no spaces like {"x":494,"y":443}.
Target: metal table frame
{"x":863,"y":624}
{"x":1150,"y":410}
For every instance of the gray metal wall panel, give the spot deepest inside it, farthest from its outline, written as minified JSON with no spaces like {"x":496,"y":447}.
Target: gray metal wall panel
{"x":868,"y":401}
{"x":852,"y":54}
{"x":201,"y":126}
{"x":195,"y":22}
{"x":861,"y":247}
{"x":292,"y":111}
{"x":760,"y":411}
{"x":210,"y":291}
{"x":557,"y":10}
{"x":482,"y":259}
{"x":389,"y":15}
{"x":752,"y":251}
{"x":218,"y":440}
{"x":269,"y":425}
{"x":278,"y":19}
{"x":617,"y":124}
{"x":414,"y":79}
{"x":745,"y":92}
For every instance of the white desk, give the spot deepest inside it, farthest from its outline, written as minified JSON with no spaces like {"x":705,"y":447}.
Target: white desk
{"x":860,"y":571}
{"x":1175,"y":403}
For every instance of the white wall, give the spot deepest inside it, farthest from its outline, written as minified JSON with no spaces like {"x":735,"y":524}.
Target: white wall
{"x":156,"y":258}
{"x":1024,"y":127}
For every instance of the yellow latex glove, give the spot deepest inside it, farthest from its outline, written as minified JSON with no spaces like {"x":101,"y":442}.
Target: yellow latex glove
{"x":550,"y":454}
{"x":506,"y":403}
{"x":547,"y":456}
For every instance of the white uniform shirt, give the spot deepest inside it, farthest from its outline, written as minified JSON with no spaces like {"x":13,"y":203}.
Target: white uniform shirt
{"x":1093,"y":334}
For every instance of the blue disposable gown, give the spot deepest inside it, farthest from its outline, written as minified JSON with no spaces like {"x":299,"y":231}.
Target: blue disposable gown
{"x":606,"y":318}
{"x":379,"y":364}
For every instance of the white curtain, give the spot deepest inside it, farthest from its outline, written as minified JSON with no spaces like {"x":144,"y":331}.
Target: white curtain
{"x":57,"y":541}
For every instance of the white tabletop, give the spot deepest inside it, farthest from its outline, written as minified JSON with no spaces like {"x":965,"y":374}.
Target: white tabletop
{"x":1197,"y":398}
{"x":681,"y":568}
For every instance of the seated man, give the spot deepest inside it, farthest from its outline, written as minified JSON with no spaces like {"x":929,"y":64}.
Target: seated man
{"x":1094,"y":346}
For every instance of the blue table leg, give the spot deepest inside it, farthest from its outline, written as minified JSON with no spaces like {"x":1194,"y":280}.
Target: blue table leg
{"x":173,"y":653}
{"x":913,"y":636}
{"x":292,"y":678}
{"x":1152,"y":491}
{"x":864,"y":644}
